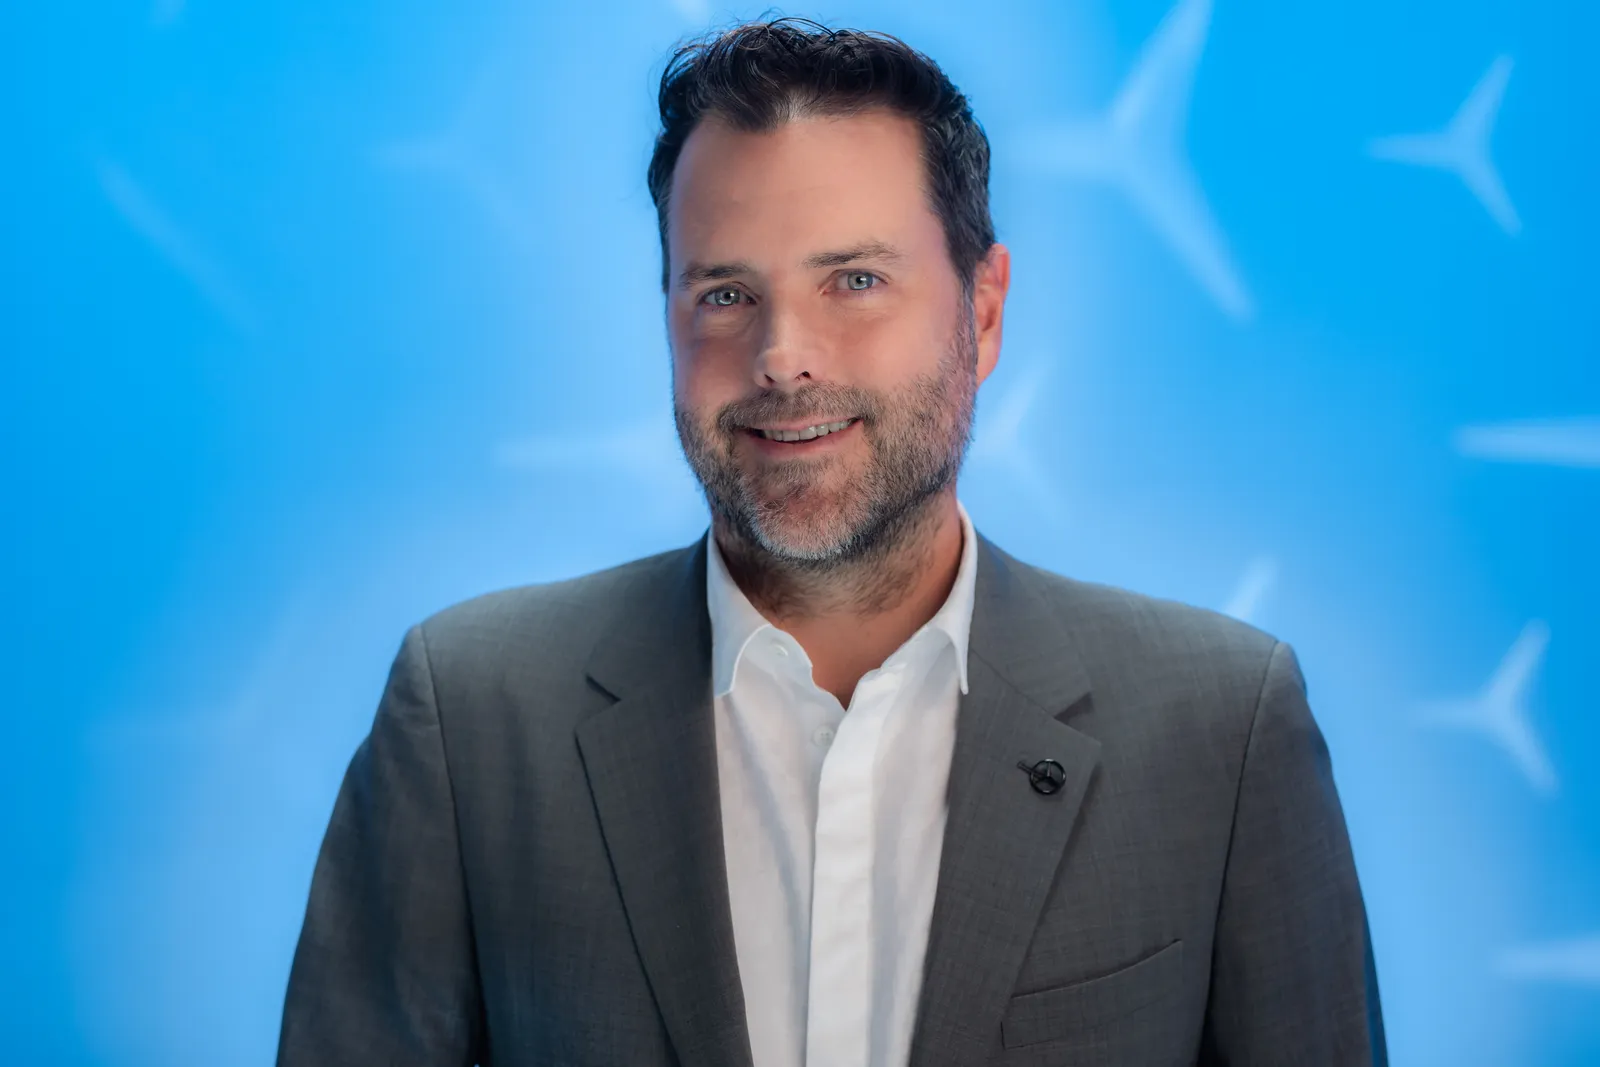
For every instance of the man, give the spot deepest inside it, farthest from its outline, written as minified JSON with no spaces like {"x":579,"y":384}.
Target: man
{"x":841,"y":783}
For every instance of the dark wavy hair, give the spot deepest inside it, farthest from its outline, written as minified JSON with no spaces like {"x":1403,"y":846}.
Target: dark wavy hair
{"x":759,"y":75}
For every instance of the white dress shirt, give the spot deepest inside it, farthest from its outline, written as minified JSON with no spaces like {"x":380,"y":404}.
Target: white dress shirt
{"x":833,"y":824}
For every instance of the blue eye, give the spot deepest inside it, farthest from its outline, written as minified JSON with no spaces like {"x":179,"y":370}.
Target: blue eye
{"x":859,"y":280}
{"x":725,"y":297}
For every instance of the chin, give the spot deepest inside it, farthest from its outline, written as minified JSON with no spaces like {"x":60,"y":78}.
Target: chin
{"x":802,"y":552}
{"x":815,"y":533}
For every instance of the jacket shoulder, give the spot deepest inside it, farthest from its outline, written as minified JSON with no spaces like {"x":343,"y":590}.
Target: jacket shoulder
{"x":1146,"y":649}
{"x":565,"y":616}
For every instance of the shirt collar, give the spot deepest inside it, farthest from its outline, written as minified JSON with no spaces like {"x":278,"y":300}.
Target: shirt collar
{"x":735,"y":622}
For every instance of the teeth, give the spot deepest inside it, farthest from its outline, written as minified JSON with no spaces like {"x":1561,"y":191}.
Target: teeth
{"x":806,"y":434}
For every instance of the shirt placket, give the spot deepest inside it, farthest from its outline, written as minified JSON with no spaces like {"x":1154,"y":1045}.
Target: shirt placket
{"x":840,"y":980}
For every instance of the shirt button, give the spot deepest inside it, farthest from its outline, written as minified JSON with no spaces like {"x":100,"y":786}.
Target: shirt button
{"x":823,"y":735}
{"x":778,"y":647}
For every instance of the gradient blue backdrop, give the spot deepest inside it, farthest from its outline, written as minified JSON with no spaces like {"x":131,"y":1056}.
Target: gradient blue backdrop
{"x":319,"y":317}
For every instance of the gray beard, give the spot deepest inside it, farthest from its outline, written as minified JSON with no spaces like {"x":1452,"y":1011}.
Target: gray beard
{"x":918,"y":438}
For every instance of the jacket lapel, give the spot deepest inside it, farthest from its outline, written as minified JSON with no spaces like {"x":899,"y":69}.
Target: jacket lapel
{"x":1003,"y":840}
{"x":651,"y":762}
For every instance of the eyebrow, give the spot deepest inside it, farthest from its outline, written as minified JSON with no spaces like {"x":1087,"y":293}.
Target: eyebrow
{"x":870,"y":252}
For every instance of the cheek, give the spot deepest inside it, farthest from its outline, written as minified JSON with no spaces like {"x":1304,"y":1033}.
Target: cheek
{"x":708,"y":365}
{"x":692,"y":377}
{"x":893,"y":353}
{"x":688,"y":356}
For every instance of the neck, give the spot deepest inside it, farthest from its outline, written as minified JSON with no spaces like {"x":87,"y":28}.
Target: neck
{"x":849,"y":616}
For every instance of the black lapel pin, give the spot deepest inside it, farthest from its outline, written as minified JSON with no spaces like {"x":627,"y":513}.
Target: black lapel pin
{"x":1046,"y":776}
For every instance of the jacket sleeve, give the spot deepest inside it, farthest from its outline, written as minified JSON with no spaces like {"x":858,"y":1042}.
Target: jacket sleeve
{"x":1292,"y":978}
{"x":385,"y":970}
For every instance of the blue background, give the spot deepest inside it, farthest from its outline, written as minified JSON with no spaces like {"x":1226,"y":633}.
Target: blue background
{"x":320,"y":317}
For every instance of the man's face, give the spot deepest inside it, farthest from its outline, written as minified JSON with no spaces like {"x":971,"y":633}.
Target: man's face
{"x":810,"y":286}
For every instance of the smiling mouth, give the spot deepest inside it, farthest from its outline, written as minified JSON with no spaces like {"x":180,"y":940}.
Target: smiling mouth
{"x":809,"y":433}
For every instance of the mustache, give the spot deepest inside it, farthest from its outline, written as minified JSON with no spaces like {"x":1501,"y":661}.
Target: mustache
{"x":820,"y":403}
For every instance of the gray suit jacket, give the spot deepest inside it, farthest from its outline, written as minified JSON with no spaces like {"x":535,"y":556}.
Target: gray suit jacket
{"x":525,"y":866}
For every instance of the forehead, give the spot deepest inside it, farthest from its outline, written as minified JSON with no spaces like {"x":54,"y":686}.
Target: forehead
{"x":809,"y":181}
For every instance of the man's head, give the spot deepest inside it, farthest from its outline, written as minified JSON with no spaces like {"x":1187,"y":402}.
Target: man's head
{"x":828,"y":259}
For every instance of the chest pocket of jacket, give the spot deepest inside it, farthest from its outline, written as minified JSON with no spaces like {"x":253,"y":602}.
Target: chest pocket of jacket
{"x":1068,"y":1010}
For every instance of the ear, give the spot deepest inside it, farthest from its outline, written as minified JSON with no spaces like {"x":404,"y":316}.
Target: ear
{"x":990,"y":281}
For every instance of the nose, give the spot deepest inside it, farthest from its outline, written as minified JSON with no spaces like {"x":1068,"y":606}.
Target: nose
{"x":788,"y":356}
